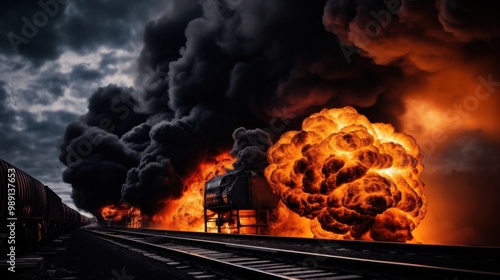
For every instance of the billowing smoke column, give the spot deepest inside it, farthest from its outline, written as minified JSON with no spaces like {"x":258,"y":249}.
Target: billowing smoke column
{"x":358,"y":180}
{"x":97,"y":159}
{"x":210,"y":67}
{"x":250,"y":149}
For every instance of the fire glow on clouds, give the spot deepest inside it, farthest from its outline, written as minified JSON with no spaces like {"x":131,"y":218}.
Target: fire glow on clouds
{"x":428,"y":68}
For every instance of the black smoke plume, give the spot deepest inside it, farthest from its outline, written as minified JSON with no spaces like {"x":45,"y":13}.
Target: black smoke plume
{"x":97,"y":159}
{"x":249,"y":149}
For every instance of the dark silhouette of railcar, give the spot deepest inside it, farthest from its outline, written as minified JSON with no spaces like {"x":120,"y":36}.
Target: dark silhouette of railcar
{"x":38,"y":213}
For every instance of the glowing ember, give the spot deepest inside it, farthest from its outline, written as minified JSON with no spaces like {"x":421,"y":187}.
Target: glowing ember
{"x":352,"y":179}
{"x":186,"y":213}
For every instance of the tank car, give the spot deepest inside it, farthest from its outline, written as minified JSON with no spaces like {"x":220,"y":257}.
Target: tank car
{"x":37,"y":212}
{"x":238,"y":202}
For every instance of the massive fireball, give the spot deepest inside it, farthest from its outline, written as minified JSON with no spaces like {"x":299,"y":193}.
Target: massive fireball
{"x":351,"y":178}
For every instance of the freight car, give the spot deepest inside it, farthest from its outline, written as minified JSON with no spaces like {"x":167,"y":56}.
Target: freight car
{"x":239,"y":202}
{"x":37,"y":212}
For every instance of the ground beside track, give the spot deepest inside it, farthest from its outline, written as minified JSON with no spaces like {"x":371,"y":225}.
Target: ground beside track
{"x":89,"y":257}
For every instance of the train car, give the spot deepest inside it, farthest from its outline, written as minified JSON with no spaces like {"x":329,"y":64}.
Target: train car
{"x":54,"y":213}
{"x":37,"y":211}
{"x":29,"y":194}
{"x":54,"y":202}
{"x":66,"y":216}
{"x":238,"y":202}
{"x":71,"y":218}
{"x":27,"y":199}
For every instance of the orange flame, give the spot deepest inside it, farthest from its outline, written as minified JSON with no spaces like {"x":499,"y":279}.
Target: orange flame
{"x":350,"y":178}
{"x":113,"y":212}
{"x":187,"y":213}
{"x":125,"y":215}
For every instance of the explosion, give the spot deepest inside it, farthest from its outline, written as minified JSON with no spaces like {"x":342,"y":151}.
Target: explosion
{"x":352,"y":179}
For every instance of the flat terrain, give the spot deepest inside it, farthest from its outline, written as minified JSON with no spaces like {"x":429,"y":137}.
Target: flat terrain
{"x":81,"y":255}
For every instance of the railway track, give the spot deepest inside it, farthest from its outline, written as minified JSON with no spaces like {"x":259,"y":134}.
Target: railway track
{"x":462,"y":255}
{"x":209,"y":259}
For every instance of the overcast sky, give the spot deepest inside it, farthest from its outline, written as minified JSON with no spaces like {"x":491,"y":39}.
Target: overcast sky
{"x":48,"y":73}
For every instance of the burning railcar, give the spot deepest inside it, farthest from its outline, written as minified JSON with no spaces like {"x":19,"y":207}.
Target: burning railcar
{"x":238,"y":202}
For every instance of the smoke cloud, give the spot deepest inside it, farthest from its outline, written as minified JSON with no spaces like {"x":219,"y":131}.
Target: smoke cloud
{"x":97,"y":159}
{"x":250,"y":149}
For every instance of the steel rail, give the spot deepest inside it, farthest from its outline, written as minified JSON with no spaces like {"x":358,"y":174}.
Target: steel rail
{"x":235,"y":271}
{"x":400,"y":270}
{"x":381,"y":246}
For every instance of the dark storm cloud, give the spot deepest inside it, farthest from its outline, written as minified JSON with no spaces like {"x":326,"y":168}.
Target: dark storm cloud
{"x":43,"y":32}
{"x":34,"y":43}
{"x":29,"y":140}
{"x":55,"y":85}
{"x":7,"y":123}
{"x":49,"y":86}
{"x":112,"y":62}
{"x":84,"y":21}
{"x":28,"y":86}
{"x":81,"y":72}
{"x":26,"y":126}
{"x":109,"y":60}
{"x":45,"y":131}
{"x":6,"y":115}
